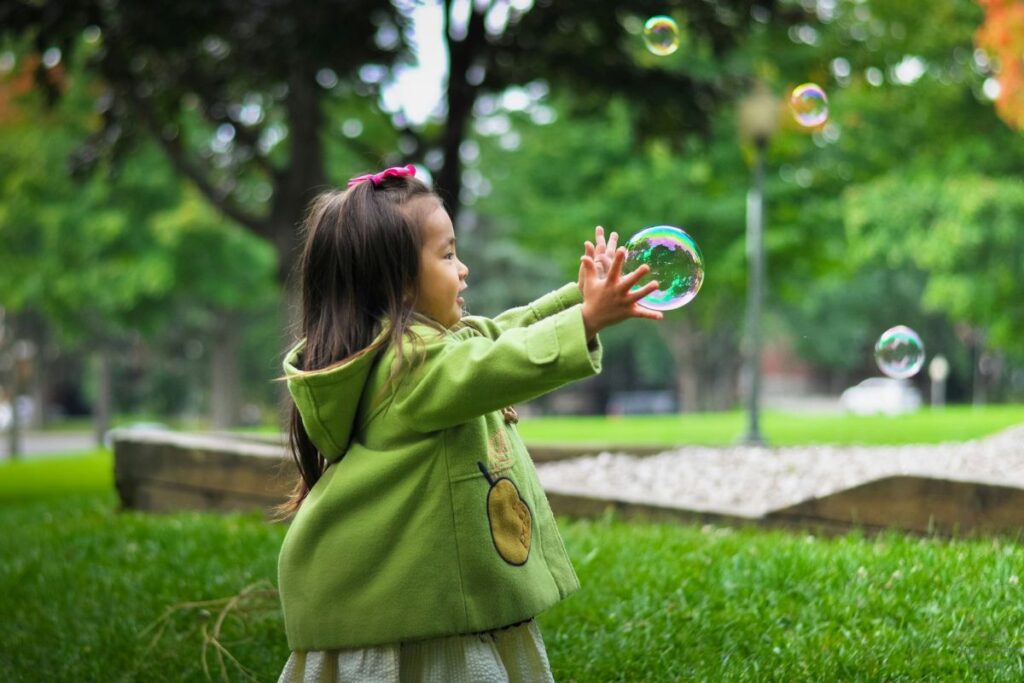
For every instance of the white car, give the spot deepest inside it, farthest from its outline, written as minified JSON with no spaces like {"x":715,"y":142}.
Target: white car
{"x":881,"y":395}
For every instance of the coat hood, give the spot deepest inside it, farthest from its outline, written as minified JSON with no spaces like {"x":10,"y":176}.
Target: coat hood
{"x":328,"y":400}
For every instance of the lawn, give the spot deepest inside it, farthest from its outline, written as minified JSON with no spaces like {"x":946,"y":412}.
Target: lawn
{"x":954,"y":423}
{"x":91,"y":472}
{"x":83,"y":588}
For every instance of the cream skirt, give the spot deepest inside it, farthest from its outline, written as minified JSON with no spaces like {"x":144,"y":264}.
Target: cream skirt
{"x":512,"y":655}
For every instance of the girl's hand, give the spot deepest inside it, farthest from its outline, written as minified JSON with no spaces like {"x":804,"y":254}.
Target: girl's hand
{"x":601,"y":252}
{"x":608,"y":300}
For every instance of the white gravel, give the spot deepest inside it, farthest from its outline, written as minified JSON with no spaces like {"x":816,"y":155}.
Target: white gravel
{"x":748,"y":481}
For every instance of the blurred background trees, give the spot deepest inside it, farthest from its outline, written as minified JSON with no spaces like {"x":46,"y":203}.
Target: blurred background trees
{"x":156,"y":160}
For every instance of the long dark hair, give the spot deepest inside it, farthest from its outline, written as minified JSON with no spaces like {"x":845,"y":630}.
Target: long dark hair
{"x":358,"y":270}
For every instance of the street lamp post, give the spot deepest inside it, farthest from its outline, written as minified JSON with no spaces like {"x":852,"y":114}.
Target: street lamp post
{"x":759,"y":114}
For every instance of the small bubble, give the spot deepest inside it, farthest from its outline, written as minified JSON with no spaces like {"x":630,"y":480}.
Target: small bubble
{"x":809,"y":104}
{"x":899,"y":352}
{"x":661,"y":35}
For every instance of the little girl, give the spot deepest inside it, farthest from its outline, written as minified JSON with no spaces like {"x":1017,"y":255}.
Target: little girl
{"x":422,"y":544}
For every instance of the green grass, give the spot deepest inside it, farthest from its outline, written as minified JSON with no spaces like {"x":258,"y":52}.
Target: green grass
{"x":83,"y":581}
{"x":85,"y":424}
{"x":91,"y":472}
{"x":955,"y":423}
{"x":82,"y":584}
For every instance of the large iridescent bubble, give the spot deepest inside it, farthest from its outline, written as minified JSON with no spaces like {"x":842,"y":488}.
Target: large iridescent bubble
{"x":675,"y":262}
{"x":899,"y":352}
{"x":809,"y":104}
{"x":661,"y":35}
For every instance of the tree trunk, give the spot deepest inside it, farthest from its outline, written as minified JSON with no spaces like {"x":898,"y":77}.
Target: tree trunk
{"x":720,"y":363}
{"x":40,"y":389}
{"x":104,"y":396}
{"x":461,"y":96}
{"x":14,"y":446}
{"x":41,"y":373}
{"x":684,"y":343}
{"x":226,"y":381}
{"x":18,"y":361}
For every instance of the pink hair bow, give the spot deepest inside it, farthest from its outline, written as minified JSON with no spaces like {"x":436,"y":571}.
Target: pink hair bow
{"x":378,"y":178}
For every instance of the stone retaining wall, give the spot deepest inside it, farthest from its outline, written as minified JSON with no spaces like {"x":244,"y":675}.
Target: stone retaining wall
{"x":162,"y":471}
{"x":165,"y":471}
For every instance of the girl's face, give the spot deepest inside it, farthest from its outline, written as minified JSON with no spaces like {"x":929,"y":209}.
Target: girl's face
{"x":442,"y":274}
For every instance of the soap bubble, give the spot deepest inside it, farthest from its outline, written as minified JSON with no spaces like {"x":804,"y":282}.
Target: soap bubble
{"x":675,"y":262}
{"x":899,"y":352}
{"x":661,"y":35}
{"x":809,"y":105}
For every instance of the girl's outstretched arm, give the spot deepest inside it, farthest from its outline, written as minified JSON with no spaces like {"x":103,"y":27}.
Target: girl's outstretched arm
{"x":521,"y":316}
{"x":462,"y":375}
{"x":562,"y":298}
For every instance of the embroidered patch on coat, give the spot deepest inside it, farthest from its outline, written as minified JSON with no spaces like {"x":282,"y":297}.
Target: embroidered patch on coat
{"x":510,"y":519}
{"x":499,"y":452}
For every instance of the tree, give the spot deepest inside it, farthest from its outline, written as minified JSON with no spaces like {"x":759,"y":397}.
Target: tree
{"x":239,"y":96}
{"x":963,"y":232}
{"x":221,"y":87}
{"x":902,"y":102}
{"x":1002,"y":33}
{"x":117,"y":254}
{"x":907,"y":105}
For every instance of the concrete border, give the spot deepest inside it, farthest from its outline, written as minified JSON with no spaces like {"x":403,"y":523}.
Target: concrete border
{"x":163,"y":471}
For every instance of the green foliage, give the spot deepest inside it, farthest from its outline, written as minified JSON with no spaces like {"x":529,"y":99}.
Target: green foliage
{"x":79,"y":252}
{"x":112,"y":252}
{"x":620,"y":186}
{"x":963,"y":232}
{"x":215,"y":261}
{"x":635,"y":140}
{"x":625,"y":186}
{"x":126,"y":255}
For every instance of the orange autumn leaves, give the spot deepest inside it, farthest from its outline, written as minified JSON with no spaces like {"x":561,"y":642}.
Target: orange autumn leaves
{"x":1001,"y":34}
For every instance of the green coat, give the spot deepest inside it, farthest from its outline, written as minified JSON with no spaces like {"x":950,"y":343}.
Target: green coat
{"x":434,"y":522}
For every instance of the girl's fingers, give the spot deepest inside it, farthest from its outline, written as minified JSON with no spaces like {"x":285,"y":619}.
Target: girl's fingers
{"x":615,"y":272}
{"x":641,"y":312}
{"x":588,"y":248}
{"x":599,"y":238}
{"x":649,"y":288}
{"x":630,"y":279}
{"x":613,"y":242}
{"x":588,"y":265}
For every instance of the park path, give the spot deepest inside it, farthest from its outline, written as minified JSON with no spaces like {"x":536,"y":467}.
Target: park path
{"x":750,"y":482}
{"x":43,"y":444}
